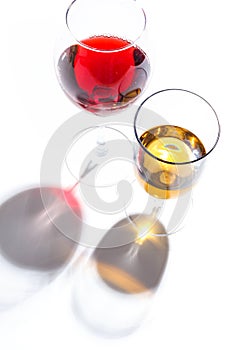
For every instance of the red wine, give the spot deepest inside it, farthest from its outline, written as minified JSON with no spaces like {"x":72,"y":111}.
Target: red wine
{"x":98,"y":77}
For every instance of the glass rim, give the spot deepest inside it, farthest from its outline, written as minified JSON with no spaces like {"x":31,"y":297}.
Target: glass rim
{"x":130,"y":43}
{"x":166,"y":161}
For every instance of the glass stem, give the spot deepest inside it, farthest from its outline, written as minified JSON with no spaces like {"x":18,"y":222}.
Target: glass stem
{"x":101,"y":149}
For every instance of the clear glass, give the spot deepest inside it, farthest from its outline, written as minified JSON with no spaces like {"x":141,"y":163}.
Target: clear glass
{"x":101,"y":60}
{"x":175,"y":131}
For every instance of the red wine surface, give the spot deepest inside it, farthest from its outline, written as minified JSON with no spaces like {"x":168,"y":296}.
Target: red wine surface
{"x":103,"y":73}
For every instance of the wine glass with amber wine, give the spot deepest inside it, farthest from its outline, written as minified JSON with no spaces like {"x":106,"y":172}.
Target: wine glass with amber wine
{"x":176,"y":130}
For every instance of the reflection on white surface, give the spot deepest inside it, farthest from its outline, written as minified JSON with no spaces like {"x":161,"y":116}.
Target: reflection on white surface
{"x":32,"y":251}
{"x":113,"y":287}
{"x":18,"y":284}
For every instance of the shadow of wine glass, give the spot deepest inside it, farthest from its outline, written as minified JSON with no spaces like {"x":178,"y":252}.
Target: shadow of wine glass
{"x":114,"y":287}
{"x":33,"y":252}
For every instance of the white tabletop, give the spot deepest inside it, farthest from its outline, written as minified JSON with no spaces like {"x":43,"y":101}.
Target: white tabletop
{"x":193,"y":308}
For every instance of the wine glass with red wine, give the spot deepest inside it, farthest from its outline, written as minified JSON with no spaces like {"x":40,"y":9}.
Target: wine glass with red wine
{"x":101,"y":61}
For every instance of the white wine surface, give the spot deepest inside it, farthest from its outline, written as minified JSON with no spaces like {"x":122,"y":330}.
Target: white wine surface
{"x":168,"y":166}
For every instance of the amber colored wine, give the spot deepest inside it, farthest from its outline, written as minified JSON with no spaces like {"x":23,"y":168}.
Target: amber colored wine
{"x":103,"y":73}
{"x":168,"y":169}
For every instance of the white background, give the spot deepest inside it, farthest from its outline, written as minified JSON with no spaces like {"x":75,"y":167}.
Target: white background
{"x":193,"y":50}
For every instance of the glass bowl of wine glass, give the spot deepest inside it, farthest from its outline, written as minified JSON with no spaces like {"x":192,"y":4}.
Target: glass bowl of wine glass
{"x":175,"y":130}
{"x":101,"y":60}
